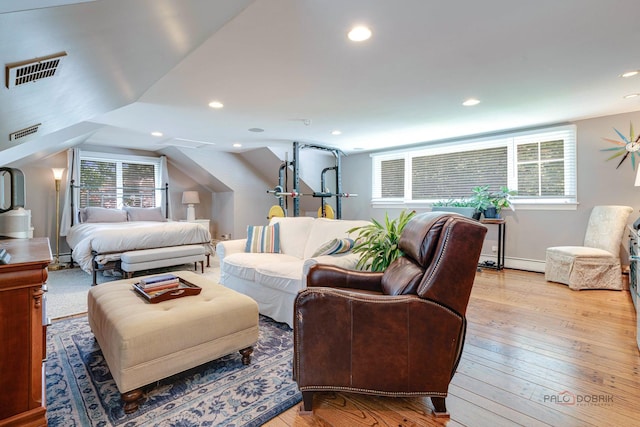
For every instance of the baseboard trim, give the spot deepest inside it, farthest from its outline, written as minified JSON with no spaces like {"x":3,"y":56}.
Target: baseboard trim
{"x":534,"y":265}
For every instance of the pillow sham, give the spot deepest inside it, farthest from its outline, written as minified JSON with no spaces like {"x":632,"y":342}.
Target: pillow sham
{"x":145,"y":214}
{"x":335,"y":246}
{"x":98,"y":214}
{"x":263,"y":239}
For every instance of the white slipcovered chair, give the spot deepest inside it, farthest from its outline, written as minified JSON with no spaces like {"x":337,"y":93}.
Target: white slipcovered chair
{"x":596,"y":264}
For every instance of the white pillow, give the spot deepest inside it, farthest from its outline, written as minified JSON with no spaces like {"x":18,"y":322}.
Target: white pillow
{"x":144,"y":214}
{"x":98,"y":214}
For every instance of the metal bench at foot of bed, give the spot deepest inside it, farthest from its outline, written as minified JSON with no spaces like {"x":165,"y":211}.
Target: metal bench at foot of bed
{"x":148,"y":259}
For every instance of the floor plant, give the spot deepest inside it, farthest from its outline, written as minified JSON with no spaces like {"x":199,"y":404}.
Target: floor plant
{"x":377,"y":243}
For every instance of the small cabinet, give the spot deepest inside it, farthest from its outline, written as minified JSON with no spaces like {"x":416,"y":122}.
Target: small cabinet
{"x":23,"y":332}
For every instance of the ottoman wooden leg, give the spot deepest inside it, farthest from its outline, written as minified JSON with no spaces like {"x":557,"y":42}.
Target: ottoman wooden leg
{"x":246,"y":355}
{"x":130,"y":400}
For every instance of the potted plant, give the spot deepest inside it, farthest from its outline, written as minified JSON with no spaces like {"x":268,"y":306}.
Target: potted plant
{"x":499,"y":200}
{"x":480,"y":199}
{"x":462,"y":206}
{"x":377,"y":243}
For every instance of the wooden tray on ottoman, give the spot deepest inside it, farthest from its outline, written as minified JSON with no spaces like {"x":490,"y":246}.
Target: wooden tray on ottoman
{"x":183,"y":289}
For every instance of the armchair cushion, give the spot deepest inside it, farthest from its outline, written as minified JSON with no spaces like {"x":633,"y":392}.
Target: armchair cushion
{"x":294,"y":232}
{"x":402,"y":277}
{"x":245,"y":265}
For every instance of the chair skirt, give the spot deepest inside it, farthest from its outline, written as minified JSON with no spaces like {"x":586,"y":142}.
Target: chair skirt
{"x":583,"y":268}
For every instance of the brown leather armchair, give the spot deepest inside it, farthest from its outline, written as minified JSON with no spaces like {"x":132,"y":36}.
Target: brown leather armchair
{"x":394,"y":333}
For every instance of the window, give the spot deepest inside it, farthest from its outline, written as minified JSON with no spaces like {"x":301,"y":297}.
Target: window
{"x":540,"y":165}
{"x":114,"y":181}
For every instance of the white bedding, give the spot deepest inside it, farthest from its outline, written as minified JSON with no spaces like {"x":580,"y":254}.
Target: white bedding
{"x":109,"y":240}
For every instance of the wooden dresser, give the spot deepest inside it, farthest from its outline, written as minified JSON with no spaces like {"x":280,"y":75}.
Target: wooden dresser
{"x":23,"y":332}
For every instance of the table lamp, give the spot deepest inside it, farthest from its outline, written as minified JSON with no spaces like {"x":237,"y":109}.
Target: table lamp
{"x":190,"y":198}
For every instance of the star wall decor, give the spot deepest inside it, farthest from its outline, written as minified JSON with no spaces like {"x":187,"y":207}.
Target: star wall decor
{"x":626,"y":147}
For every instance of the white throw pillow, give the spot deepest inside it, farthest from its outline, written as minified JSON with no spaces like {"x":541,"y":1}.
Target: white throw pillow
{"x":98,"y":214}
{"x":144,"y":214}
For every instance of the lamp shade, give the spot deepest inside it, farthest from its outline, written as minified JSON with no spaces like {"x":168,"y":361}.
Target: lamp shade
{"x":190,"y":198}
{"x":57,"y":173}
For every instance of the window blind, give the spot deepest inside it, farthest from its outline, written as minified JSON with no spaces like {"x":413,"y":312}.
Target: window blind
{"x":540,"y":165}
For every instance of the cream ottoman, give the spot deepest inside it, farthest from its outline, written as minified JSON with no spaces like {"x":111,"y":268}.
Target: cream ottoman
{"x":143,"y":342}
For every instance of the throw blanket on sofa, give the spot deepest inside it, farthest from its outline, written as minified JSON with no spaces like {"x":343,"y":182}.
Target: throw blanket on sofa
{"x":109,"y":240}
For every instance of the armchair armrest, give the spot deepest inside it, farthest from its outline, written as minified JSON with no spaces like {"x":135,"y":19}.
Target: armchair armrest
{"x":324,"y":275}
{"x":228,"y":247}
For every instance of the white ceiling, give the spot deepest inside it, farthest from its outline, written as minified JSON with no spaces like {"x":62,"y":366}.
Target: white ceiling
{"x":286,"y":66}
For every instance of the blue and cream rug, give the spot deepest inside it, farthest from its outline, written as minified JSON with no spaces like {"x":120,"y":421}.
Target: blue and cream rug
{"x":81,"y":392}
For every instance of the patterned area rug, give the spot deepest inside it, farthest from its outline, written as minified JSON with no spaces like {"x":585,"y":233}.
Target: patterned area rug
{"x":81,"y":392}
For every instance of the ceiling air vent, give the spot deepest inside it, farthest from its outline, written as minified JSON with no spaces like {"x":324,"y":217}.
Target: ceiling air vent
{"x":24,"y":132}
{"x":19,"y":73}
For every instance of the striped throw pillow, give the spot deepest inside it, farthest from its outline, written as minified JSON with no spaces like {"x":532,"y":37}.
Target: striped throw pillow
{"x":335,"y":246}
{"x":263,"y":239}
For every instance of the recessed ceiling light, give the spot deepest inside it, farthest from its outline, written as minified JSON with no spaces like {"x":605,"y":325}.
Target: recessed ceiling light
{"x":471,"y":102}
{"x":156,"y":133}
{"x":630,"y":73}
{"x":359,"y":33}
{"x":237,"y":145}
{"x":256,"y":130}
{"x":631,"y":95}
{"x":336,"y":132}
{"x":216,"y":104}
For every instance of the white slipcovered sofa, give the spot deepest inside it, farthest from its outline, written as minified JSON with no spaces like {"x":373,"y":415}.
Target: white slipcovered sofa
{"x":274,"y":279}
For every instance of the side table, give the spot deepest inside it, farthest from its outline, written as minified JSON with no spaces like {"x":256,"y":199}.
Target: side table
{"x":501,"y":223}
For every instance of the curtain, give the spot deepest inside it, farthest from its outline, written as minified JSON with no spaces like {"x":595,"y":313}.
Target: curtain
{"x":73,"y":166}
{"x":164,"y":179}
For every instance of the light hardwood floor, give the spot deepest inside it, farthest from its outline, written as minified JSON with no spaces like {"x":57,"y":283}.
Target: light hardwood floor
{"x":531,"y":347}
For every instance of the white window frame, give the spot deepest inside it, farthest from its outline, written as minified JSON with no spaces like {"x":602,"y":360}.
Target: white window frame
{"x":511,"y":141}
{"x":125,"y":158}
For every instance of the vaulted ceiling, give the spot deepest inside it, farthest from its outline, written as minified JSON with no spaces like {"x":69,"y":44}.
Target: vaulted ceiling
{"x":286,"y":67}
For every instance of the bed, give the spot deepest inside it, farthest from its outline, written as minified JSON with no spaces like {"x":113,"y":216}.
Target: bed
{"x":102,"y":234}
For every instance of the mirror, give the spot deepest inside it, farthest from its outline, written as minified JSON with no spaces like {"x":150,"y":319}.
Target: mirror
{"x":11,"y":189}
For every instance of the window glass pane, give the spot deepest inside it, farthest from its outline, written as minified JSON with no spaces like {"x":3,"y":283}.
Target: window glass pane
{"x":552,"y":150}
{"x":528,"y":179}
{"x":98,"y":182}
{"x":392,"y":178}
{"x":453,"y":175}
{"x":543,"y":176}
{"x":138,"y":181}
{"x":552,"y":177}
{"x":527,"y":152}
